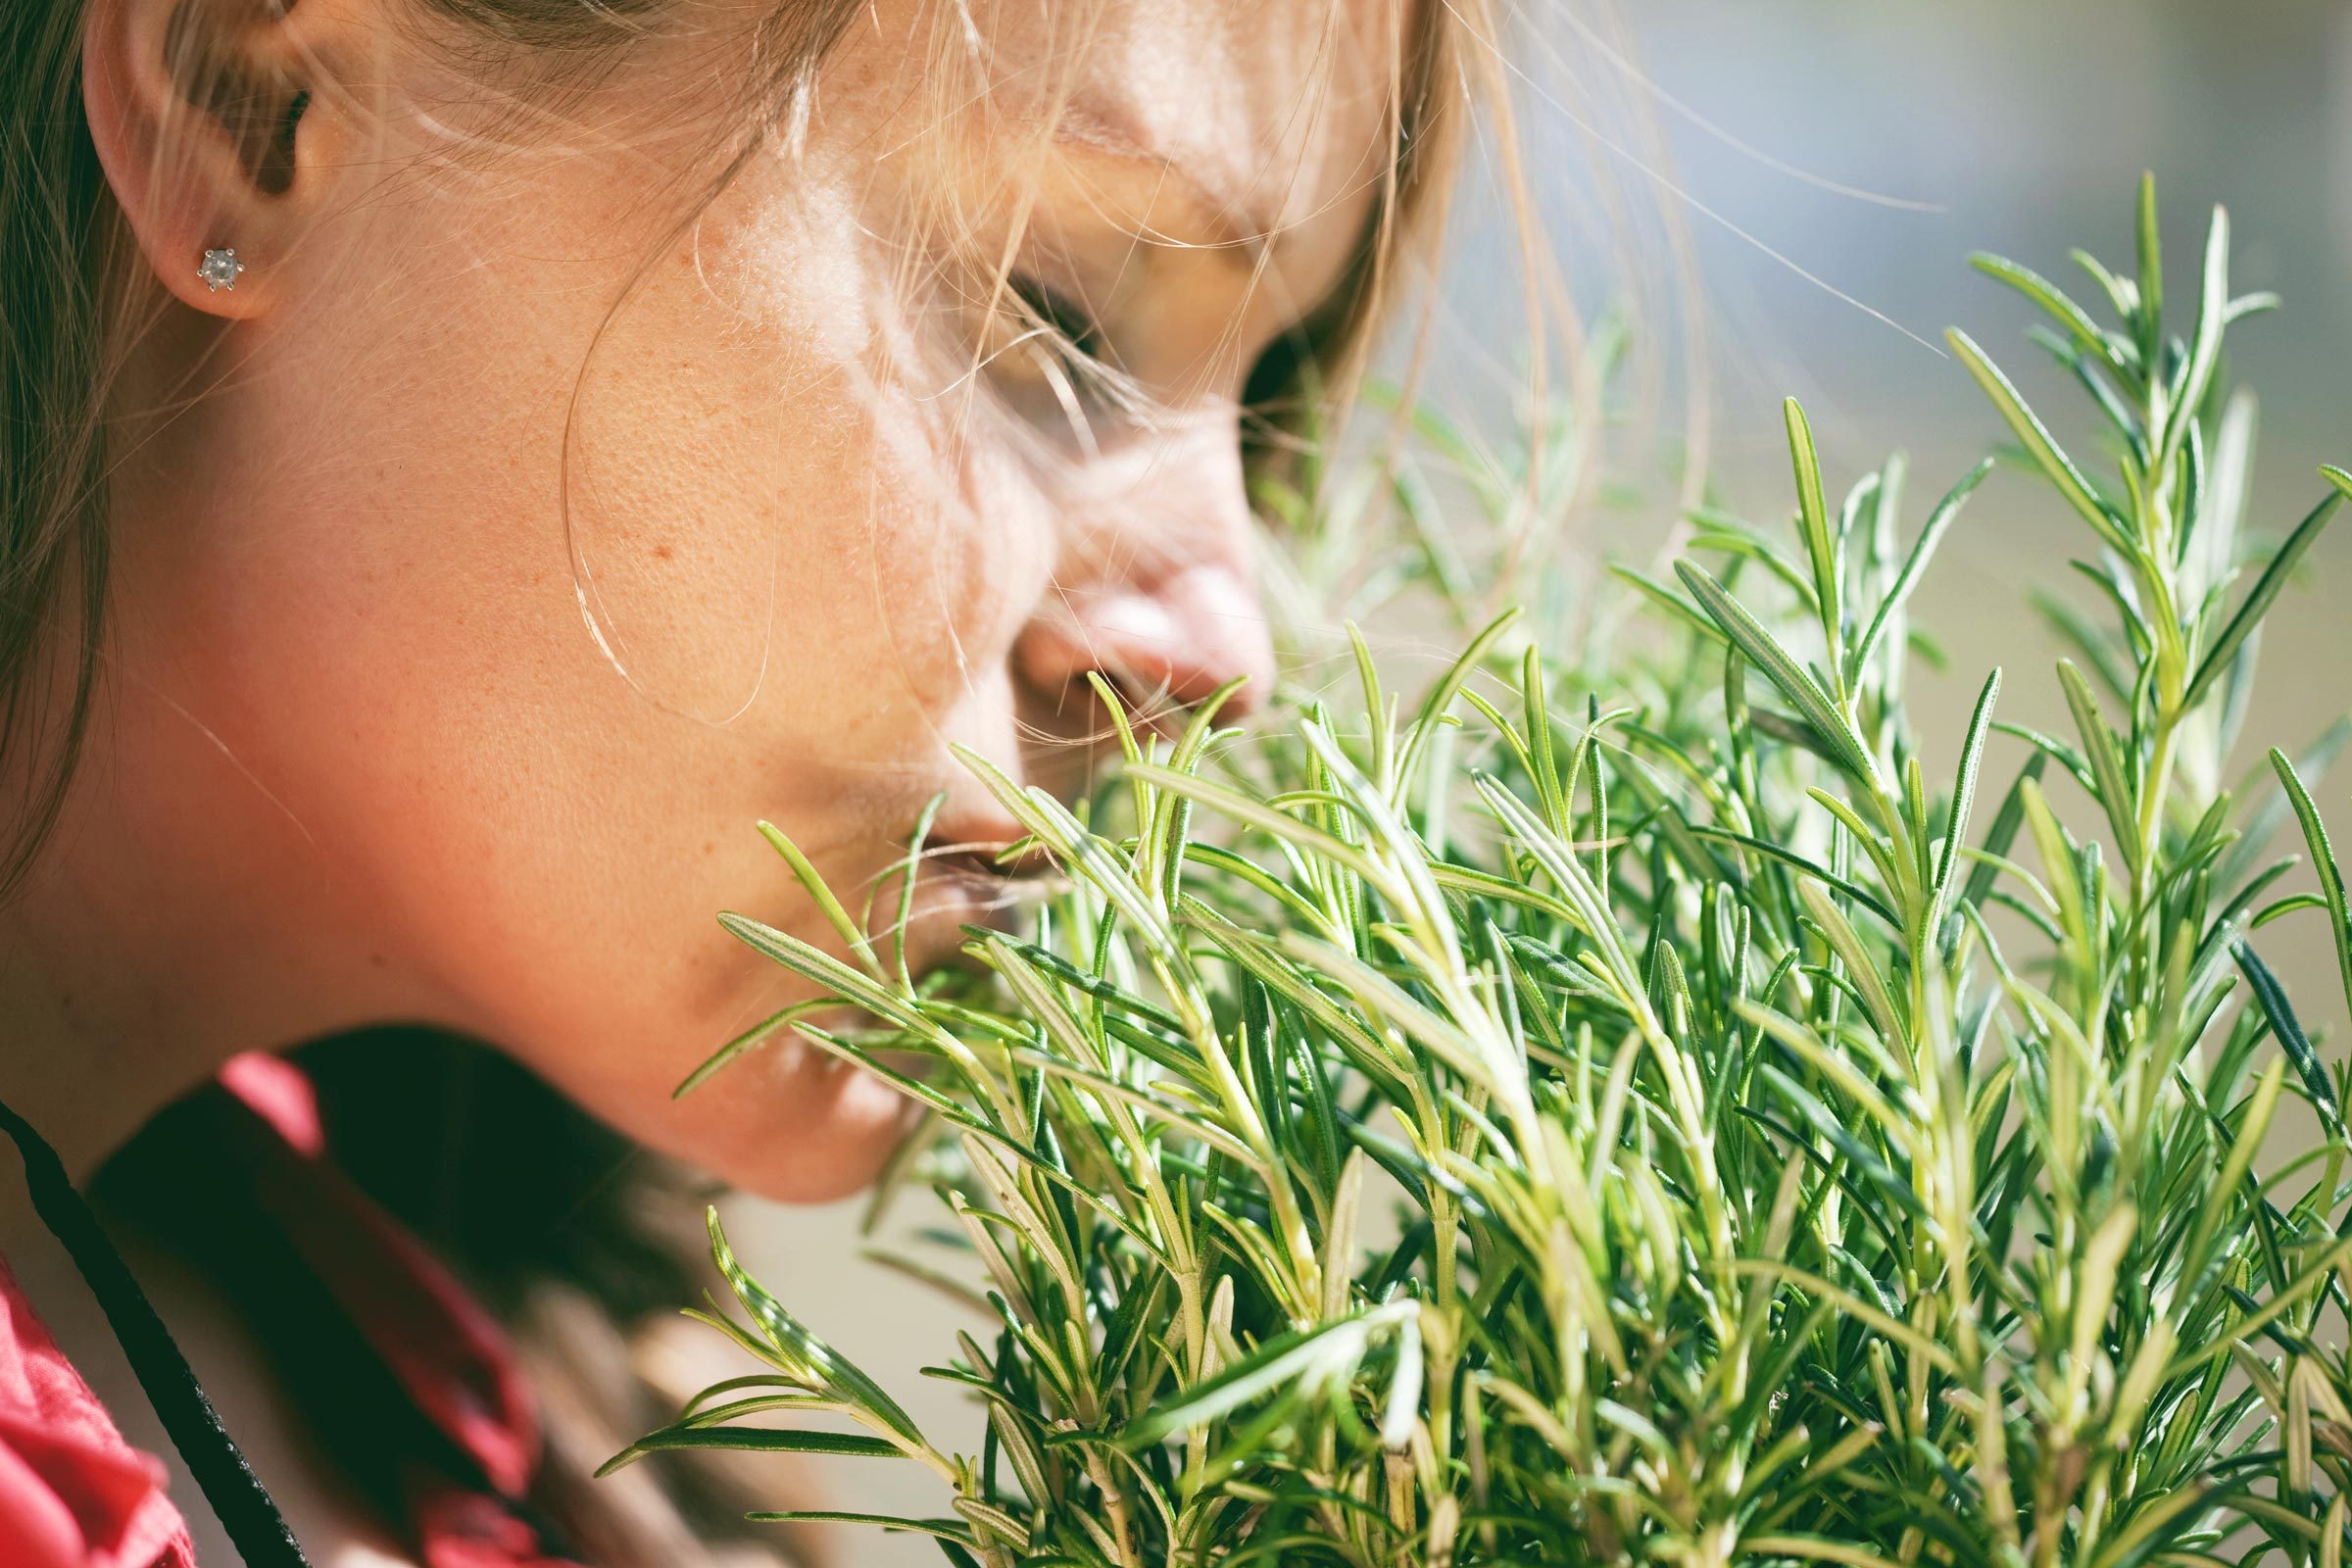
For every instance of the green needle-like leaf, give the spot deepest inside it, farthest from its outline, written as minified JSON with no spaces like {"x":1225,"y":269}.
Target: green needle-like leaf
{"x":1315,"y":1358}
{"x":2102,"y":750}
{"x":1813,"y":521}
{"x":2324,"y":861}
{"x":1964,"y":795}
{"x":1764,"y":651}
{"x":750,"y":1440}
{"x":2046,"y":294}
{"x":2270,"y":995}
{"x":2150,"y":302}
{"x":1915,"y":565}
{"x":2265,"y":592}
{"x":2041,"y":446}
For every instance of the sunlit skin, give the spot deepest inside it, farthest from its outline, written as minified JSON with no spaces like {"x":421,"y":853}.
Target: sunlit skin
{"x":364,"y":755}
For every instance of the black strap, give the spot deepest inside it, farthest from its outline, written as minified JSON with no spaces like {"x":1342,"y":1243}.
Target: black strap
{"x":255,"y":1526}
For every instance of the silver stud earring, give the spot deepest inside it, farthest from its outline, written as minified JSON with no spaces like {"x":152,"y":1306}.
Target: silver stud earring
{"x":221,"y":270}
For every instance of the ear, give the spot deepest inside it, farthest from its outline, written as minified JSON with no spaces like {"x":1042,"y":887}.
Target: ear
{"x":211,"y":126}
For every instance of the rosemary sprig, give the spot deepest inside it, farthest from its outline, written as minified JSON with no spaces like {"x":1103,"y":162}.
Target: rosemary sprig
{"x":1808,"y":1140}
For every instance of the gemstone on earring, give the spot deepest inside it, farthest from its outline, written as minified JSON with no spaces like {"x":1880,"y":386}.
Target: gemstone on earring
{"x":221,"y":270}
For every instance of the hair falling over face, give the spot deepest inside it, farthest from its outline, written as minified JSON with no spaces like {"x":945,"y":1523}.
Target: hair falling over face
{"x":1094,"y":261}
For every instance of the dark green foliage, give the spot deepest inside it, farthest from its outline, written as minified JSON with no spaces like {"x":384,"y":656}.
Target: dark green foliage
{"x":1802,"y":1150}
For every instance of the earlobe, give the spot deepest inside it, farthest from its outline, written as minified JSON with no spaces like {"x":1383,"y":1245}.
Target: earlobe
{"x":200,"y":114}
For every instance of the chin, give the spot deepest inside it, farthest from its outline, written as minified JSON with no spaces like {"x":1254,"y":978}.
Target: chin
{"x":790,"y":1123}
{"x":787,"y":1122}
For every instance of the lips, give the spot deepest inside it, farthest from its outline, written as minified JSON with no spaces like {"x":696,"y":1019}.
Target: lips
{"x":978,"y":846}
{"x":962,"y":879}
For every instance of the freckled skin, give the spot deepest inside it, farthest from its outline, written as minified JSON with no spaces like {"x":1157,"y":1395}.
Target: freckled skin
{"x":365,"y":756}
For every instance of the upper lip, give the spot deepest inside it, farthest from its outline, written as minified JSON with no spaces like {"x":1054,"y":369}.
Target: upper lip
{"x":976,"y":847}
{"x":960,"y":858}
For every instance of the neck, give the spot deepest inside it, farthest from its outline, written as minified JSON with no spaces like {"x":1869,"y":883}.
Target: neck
{"x":110,"y":1017}
{"x":195,"y":901}
{"x":180,"y":914}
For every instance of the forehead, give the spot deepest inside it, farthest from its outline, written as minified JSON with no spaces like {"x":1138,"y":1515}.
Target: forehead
{"x":1277,"y":107}
{"x":1263,"y":126}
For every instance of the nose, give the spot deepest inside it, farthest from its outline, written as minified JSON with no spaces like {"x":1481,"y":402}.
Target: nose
{"x":1164,"y":645}
{"x":1154,"y":588}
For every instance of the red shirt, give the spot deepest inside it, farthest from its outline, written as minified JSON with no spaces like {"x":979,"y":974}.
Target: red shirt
{"x":74,"y":1495}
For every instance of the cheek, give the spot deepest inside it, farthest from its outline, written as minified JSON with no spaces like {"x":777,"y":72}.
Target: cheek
{"x":710,"y":502}
{"x":531,"y":609}
{"x":762,"y":509}
{"x":798,"y":598}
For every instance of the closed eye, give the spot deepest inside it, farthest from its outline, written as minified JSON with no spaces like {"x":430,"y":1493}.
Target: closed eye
{"x":1065,"y":324}
{"x":1061,"y":371}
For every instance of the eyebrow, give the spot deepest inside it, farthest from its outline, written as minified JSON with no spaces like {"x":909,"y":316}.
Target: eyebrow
{"x":1242,"y":234}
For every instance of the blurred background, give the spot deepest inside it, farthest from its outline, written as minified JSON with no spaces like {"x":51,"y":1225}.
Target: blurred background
{"x":1728,"y":141}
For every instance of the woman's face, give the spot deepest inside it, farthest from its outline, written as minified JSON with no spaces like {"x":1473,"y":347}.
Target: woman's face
{"x":545,"y":527}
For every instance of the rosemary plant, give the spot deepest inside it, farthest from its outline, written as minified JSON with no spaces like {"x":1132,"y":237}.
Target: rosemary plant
{"x":1808,"y":1140}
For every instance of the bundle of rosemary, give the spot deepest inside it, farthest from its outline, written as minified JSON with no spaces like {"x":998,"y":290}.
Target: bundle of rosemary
{"x":1803,"y":1146}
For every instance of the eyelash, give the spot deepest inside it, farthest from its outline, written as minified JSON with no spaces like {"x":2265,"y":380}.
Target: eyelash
{"x":1075,"y":331}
